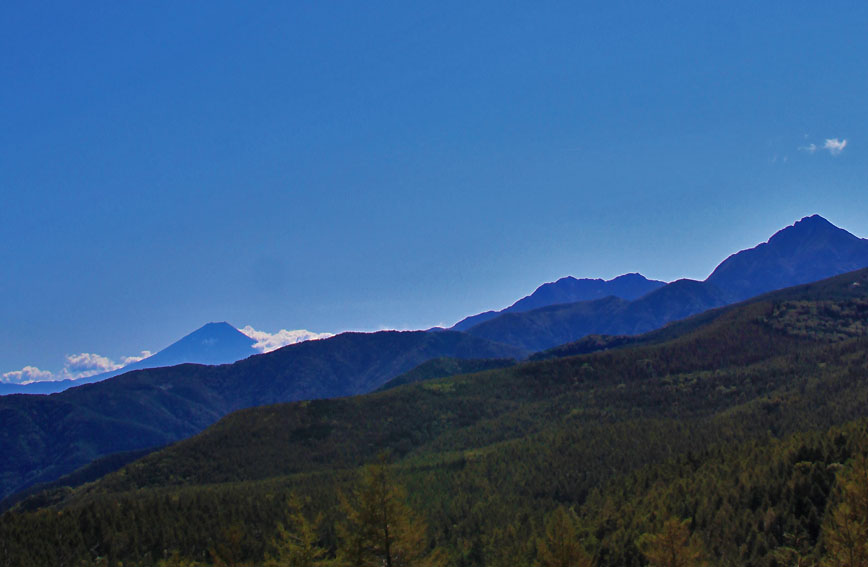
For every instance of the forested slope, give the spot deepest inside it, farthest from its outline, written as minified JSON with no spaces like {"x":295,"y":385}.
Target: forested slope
{"x":45,"y":437}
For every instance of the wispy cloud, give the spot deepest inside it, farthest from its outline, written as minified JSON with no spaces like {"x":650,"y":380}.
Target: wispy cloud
{"x":267,"y":342}
{"x":832,"y":145}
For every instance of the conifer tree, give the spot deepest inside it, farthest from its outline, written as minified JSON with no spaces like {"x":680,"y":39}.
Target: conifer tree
{"x":846,"y":532}
{"x":508,"y":546}
{"x":672,"y":546}
{"x":561,"y":546}
{"x":381,"y":530}
{"x":229,"y":552}
{"x":175,"y":560}
{"x":795,"y":551}
{"x":298,"y":545}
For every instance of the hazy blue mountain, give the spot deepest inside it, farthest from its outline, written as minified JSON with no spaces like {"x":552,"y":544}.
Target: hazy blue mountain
{"x":554,"y":325}
{"x":48,"y":386}
{"x":810,"y":250}
{"x":45,"y":437}
{"x":570,"y":290}
{"x":214,"y":343}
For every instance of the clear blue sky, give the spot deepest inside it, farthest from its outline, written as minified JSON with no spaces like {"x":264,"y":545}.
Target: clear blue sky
{"x":349,"y":165}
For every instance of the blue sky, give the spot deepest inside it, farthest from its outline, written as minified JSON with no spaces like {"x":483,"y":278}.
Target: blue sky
{"x":333,"y":166}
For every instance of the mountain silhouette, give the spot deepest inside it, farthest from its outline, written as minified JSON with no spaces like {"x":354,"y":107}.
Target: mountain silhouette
{"x":570,"y":290}
{"x":810,"y":250}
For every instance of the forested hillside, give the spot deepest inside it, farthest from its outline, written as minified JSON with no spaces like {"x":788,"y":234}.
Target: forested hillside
{"x":45,"y":437}
{"x":733,"y":435}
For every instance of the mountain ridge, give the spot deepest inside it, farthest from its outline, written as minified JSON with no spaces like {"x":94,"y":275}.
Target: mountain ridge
{"x":569,"y":289}
{"x":809,"y":250}
{"x":45,"y":437}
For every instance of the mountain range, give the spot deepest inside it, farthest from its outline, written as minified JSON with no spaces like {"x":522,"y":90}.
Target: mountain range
{"x":570,"y":290}
{"x":735,"y":422}
{"x":807,"y":251}
{"x":785,"y":323}
{"x":213,"y":343}
{"x":45,"y":437}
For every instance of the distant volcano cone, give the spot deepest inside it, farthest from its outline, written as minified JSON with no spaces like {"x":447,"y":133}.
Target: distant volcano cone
{"x":214,"y":343}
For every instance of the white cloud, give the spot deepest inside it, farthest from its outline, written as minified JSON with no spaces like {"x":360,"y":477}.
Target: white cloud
{"x":835,"y":146}
{"x":267,"y":342}
{"x":26,"y":375}
{"x":82,"y":365}
{"x":88,"y":364}
{"x":810,"y":148}
{"x":131,"y":359}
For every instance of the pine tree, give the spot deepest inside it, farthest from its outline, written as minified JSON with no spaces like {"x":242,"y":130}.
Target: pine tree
{"x":561,"y":546}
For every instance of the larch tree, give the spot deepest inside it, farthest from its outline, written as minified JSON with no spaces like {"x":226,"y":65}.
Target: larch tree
{"x":380,"y":529}
{"x":229,"y":550}
{"x":846,"y":531}
{"x":672,"y":546}
{"x":297,"y":545}
{"x":561,"y":546}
